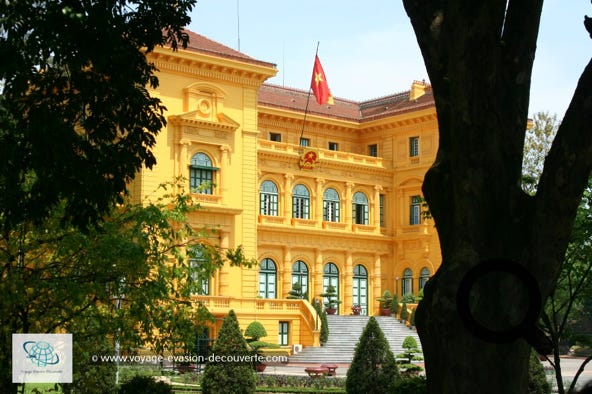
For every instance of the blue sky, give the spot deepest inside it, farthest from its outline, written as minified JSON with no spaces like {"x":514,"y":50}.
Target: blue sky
{"x":368,"y":48}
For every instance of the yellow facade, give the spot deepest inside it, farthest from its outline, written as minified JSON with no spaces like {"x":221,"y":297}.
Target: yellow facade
{"x":352,"y":214}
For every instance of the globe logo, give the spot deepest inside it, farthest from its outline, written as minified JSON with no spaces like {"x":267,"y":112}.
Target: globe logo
{"x":40,"y":353}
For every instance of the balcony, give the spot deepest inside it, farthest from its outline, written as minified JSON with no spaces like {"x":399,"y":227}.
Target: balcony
{"x":220,"y":305}
{"x":273,"y":148}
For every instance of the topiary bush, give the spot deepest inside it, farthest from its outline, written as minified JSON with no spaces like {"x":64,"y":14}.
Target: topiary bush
{"x":296,"y":292}
{"x":395,"y":304}
{"x":255,"y":331}
{"x":404,"y":312}
{"x":145,"y":385}
{"x":409,"y":355}
{"x":231,"y":371}
{"x":318,"y":306}
{"x":373,"y":369}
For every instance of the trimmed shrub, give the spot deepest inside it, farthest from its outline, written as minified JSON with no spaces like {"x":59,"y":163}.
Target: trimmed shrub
{"x":404,"y":312}
{"x":395,"y":304}
{"x":324,"y":336}
{"x":408,"y":298}
{"x":231,"y":371}
{"x":296,"y":292}
{"x":412,"y":385}
{"x":144,"y":385}
{"x":255,"y":331}
{"x":537,"y":381}
{"x":373,"y":369}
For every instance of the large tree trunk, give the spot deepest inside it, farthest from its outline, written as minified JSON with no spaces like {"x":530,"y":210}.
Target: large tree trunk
{"x":479,"y":58}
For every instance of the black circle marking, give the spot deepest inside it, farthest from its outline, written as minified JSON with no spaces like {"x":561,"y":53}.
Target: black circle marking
{"x":525,"y":327}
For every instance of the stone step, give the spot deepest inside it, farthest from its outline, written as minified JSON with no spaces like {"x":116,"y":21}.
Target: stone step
{"x":344,"y":334}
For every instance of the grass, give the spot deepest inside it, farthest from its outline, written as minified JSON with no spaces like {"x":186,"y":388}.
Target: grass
{"x":189,"y":383}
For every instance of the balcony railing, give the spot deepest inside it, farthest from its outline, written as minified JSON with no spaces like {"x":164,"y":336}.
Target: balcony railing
{"x":272,"y":306}
{"x":326,"y":154}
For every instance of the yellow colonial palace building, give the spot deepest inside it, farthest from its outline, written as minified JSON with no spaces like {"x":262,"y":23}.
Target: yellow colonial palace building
{"x":330,"y":198}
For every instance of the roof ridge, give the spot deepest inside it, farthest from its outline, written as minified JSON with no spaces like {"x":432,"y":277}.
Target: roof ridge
{"x":201,"y":43}
{"x":306,"y":92}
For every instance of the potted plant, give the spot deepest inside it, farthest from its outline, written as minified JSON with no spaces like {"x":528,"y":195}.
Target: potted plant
{"x":332,"y":302}
{"x":412,"y":319}
{"x":356,"y":309}
{"x":385,"y":303}
{"x":255,"y":330}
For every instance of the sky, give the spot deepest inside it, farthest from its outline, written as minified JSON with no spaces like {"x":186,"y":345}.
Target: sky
{"x":368,"y":48}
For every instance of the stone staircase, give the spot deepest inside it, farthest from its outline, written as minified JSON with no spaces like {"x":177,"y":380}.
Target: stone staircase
{"x":344,"y":333}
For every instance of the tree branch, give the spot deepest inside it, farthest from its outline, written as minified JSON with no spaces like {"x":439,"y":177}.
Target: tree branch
{"x":565,"y":175}
{"x":518,"y":42}
{"x":578,"y":373}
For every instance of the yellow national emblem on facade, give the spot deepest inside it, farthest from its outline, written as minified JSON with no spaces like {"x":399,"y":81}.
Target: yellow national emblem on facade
{"x":308,"y":159}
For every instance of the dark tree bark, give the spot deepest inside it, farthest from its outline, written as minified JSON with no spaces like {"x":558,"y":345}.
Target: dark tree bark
{"x":479,"y":57}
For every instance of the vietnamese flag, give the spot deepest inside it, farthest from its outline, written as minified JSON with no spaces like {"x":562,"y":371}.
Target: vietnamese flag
{"x":319,"y":85}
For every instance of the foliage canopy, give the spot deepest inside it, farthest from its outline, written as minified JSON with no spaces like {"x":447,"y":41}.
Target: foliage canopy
{"x":76,"y":119}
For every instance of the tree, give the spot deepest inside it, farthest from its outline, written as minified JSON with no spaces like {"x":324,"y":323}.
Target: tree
{"x":568,"y":307}
{"x":373,"y":368}
{"x":537,"y":143}
{"x":501,"y":248}
{"x":127,"y":278}
{"x":232,"y":372}
{"x":76,"y":119}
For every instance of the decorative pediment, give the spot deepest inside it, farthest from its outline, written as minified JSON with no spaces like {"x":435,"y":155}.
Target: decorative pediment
{"x":205,"y":98}
{"x":220,"y":122}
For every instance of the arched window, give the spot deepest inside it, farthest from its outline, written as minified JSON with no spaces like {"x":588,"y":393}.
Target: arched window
{"x":424,"y":276}
{"x":360,"y":288}
{"x":267,"y":278}
{"x":331,"y":205}
{"x":300,"y":202}
{"x":300,"y":276}
{"x":268,"y":199}
{"x":331,"y":278}
{"x":407,"y":283}
{"x":201,"y":174}
{"x":360,"y":208}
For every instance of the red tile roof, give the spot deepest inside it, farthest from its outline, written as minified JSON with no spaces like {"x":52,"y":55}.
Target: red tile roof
{"x":199,"y":43}
{"x":295,"y":100}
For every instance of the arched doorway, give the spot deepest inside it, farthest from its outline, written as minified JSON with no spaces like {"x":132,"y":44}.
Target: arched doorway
{"x":267,"y":279}
{"x":331,"y":278}
{"x":360,"y":288}
{"x":300,"y":276}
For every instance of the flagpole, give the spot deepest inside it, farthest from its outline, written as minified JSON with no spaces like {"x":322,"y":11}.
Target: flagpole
{"x":307,"y":101}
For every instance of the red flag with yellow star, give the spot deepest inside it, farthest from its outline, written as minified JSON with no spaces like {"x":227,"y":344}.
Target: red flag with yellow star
{"x":319,"y":85}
